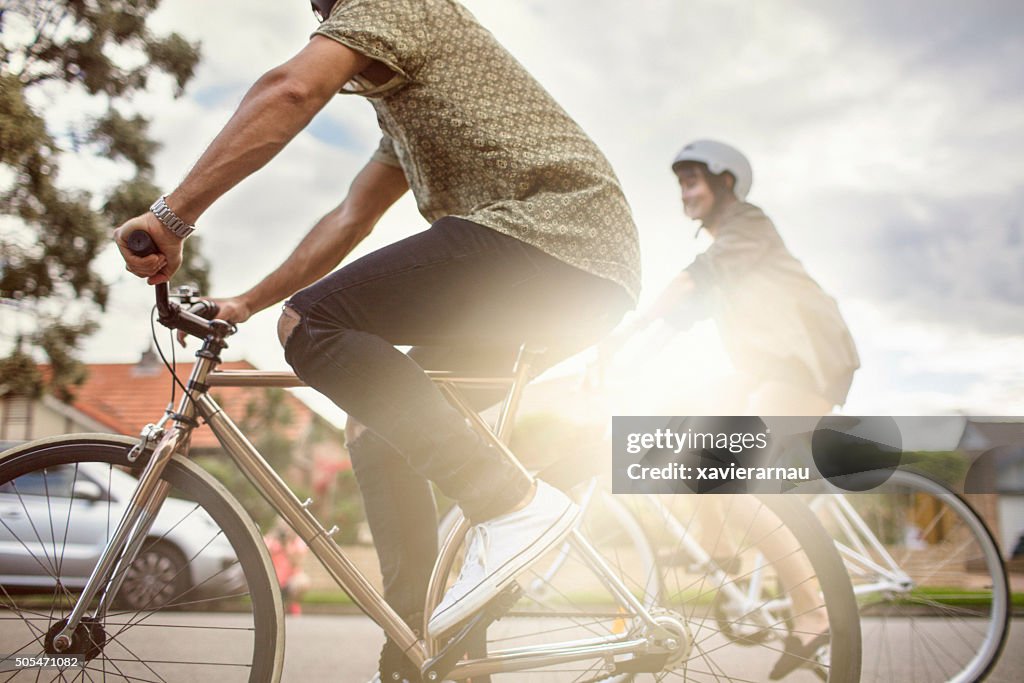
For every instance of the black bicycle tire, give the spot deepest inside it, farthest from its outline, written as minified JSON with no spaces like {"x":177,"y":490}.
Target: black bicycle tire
{"x":836,"y":588}
{"x":226,"y":511}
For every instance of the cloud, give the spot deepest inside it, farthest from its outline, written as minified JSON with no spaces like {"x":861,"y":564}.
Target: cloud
{"x":919,"y":368}
{"x":957,"y":264}
{"x":950,"y":261}
{"x":939,"y":35}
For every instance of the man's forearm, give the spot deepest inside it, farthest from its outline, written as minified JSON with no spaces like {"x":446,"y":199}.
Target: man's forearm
{"x":373,"y":191}
{"x":318,"y":253}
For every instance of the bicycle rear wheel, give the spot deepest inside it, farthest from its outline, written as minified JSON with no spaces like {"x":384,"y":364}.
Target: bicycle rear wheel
{"x":198,"y":603}
{"x":732,"y":631}
{"x":928,"y":574}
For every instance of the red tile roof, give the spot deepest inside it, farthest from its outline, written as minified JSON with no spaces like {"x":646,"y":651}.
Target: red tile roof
{"x":126,"y":396}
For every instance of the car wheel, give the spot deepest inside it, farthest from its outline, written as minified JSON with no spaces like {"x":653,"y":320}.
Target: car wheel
{"x":156,"y":579}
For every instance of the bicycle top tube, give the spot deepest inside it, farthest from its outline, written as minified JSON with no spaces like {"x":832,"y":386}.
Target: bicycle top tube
{"x":288,"y":379}
{"x":448,"y":381}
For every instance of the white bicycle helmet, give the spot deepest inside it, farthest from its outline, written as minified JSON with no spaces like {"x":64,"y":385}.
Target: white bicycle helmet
{"x":719,"y":158}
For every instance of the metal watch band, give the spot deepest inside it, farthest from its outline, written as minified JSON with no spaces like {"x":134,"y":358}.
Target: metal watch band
{"x":170,"y":219}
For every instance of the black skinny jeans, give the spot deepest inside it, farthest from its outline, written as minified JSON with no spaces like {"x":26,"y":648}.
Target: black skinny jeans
{"x":465,"y":297}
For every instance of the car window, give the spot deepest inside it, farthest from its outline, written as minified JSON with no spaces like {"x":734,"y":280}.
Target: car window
{"x":52,"y":481}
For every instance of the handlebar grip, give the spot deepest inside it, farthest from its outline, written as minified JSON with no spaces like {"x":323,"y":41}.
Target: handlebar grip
{"x":141,"y":244}
{"x":205,"y":309}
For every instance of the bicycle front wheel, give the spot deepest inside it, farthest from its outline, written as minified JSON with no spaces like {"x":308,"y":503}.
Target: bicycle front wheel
{"x":199,"y":601}
{"x":929,"y":577}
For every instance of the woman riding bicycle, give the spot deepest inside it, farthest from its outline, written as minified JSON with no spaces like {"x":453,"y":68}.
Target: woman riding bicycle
{"x":531,"y":241}
{"x":783,"y":333}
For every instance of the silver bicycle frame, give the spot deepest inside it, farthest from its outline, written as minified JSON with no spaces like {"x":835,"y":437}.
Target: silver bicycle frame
{"x":145,"y":503}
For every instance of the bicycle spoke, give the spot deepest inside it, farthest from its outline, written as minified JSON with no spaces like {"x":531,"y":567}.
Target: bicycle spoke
{"x":145,"y":664}
{"x":147,"y":614}
{"x":49,"y":570}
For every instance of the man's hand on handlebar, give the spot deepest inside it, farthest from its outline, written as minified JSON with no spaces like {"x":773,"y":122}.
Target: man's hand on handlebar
{"x":156,"y":268}
{"x":233,"y":310}
{"x":193,"y":320}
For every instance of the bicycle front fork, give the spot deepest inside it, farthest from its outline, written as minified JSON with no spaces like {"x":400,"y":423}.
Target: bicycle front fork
{"x":124,"y":545}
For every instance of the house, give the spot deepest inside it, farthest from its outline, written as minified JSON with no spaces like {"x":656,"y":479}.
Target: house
{"x":996,"y":445}
{"x":121,"y":398}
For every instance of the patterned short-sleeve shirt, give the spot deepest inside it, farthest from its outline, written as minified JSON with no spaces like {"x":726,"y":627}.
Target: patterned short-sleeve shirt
{"x":477,"y":137}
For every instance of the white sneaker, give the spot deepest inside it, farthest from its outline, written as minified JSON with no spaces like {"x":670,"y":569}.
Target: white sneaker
{"x":500,"y":549}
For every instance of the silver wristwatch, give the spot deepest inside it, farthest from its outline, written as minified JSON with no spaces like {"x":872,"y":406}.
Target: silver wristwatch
{"x":170,"y":219}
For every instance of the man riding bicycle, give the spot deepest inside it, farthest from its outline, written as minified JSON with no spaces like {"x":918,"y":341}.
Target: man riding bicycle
{"x":531,"y":241}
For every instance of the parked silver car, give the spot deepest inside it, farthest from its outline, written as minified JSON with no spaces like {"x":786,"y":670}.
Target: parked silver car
{"x":185,"y":560}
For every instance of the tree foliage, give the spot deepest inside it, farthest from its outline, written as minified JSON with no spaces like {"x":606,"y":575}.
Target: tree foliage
{"x":59,"y":60}
{"x":266,"y":420}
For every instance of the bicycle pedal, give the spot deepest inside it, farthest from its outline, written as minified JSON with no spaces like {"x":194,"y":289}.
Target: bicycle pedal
{"x":500,"y":605}
{"x":472,"y":636}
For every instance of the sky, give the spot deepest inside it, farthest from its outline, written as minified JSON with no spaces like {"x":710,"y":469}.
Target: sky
{"x":886,"y":140}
